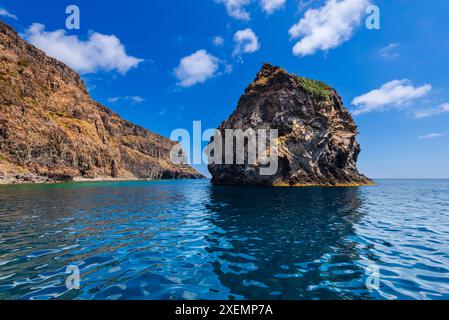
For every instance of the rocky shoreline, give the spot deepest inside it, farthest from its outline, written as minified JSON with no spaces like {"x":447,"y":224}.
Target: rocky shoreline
{"x":52,"y":130}
{"x":36,"y":180}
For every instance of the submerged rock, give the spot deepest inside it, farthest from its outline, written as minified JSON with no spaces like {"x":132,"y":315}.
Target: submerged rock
{"x":52,"y":130}
{"x":316,"y":134}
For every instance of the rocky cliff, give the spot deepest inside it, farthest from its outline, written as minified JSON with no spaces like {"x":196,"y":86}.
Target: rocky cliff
{"x":317,"y":136}
{"x":51,"y":130}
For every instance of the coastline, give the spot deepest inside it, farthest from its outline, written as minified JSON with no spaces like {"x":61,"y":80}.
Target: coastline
{"x":81,"y":180}
{"x":338,"y":185}
{"x":110,"y":179}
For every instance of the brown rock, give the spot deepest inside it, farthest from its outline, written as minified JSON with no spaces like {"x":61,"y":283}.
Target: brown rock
{"x":51,"y":130}
{"x":317,"y":135}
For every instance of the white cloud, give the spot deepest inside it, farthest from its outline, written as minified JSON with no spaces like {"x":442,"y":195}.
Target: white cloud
{"x":431,"y":136}
{"x":5,"y":13}
{"x":236,"y":8}
{"x":133,"y":99}
{"x":327,"y":27}
{"x":228,"y":68}
{"x":246,"y":41}
{"x":137,"y":99}
{"x":426,"y":113}
{"x":113,"y":100}
{"x":196,"y":68}
{"x":270,"y":6}
{"x":392,"y":94}
{"x":99,"y":52}
{"x":218,"y":41}
{"x":389,"y":52}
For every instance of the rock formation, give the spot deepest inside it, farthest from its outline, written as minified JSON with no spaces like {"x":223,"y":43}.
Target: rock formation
{"x":51,"y":130}
{"x":317,"y":135}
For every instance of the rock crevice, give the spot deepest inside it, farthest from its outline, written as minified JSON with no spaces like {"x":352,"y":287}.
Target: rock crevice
{"x":317,"y":136}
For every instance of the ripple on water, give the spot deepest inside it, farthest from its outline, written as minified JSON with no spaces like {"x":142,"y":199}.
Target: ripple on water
{"x":190,"y":240}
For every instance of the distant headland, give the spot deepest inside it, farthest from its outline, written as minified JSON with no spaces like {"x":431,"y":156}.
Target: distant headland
{"x":51,"y":130}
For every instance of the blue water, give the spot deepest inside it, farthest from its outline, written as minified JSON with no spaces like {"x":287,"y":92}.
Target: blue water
{"x":191,"y":240}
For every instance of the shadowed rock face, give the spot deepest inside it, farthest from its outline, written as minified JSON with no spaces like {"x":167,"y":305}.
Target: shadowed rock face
{"x":317,"y":135}
{"x":51,"y":130}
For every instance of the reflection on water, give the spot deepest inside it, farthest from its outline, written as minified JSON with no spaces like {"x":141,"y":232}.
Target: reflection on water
{"x":190,"y":240}
{"x":286,"y":243}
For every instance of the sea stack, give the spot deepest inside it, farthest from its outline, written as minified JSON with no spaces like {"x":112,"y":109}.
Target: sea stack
{"x":317,"y":143}
{"x":52,"y":130}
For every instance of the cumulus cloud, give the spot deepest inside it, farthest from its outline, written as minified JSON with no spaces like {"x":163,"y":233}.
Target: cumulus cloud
{"x":392,"y":94}
{"x":327,"y":27}
{"x":389,"y":52}
{"x":270,"y":6}
{"x":99,"y":52}
{"x":196,"y":68}
{"x":426,"y":113}
{"x":6,"y":13}
{"x":246,"y":41}
{"x":236,"y":8}
{"x":218,"y":41}
{"x":432,"y":136}
{"x":133,"y":99}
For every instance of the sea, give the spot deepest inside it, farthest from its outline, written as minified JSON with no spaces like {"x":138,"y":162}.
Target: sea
{"x":190,"y":240}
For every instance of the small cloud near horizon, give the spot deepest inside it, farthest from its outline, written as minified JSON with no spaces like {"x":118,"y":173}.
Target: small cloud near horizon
{"x":426,"y":113}
{"x":393,"y":94}
{"x":432,"y":136}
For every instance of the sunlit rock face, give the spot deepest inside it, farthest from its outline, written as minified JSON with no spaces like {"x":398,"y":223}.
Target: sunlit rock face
{"x":52,"y":130}
{"x":316,"y":134}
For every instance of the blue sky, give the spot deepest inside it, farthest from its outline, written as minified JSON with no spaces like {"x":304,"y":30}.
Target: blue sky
{"x":158,"y":65}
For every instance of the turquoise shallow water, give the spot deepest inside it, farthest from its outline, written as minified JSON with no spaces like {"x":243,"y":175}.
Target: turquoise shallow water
{"x":191,"y":240}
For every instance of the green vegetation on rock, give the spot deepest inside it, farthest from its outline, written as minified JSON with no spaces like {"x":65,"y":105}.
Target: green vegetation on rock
{"x":316,"y":88}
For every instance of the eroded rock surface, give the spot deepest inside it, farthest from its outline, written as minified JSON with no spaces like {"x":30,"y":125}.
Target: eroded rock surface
{"x":317,"y":135}
{"x":51,"y":129}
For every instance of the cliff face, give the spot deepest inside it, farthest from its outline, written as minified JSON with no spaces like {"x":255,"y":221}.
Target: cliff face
{"x":51,"y":130}
{"x":317,"y":135}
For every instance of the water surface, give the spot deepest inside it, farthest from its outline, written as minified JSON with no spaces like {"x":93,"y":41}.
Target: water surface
{"x":191,"y":240}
